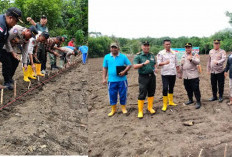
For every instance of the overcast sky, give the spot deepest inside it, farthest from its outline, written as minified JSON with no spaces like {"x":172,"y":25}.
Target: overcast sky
{"x":158,"y":18}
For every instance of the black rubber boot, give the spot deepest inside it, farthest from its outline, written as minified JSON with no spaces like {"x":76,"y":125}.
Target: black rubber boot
{"x":198,"y":104}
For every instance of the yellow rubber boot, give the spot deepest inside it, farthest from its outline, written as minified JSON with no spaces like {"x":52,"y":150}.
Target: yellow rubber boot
{"x":124,"y":111}
{"x":150,"y":105}
{"x":38,"y":70}
{"x":140,"y":108}
{"x":170,"y":98}
{"x":31,"y":72}
{"x":113,"y":110}
{"x":165,"y":103}
{"x":25,"y":75}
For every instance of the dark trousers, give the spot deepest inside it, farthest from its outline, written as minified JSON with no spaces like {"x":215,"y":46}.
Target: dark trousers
{"x":147,"y":85}
{"x":9,"y":65}
{"x":42,"y":56}
{"x":217,"y":83}
{"x":192,"y":86}
{"x":168,"y":84}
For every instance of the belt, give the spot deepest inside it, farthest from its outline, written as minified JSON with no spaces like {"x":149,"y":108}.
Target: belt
{"x":151,"y":74}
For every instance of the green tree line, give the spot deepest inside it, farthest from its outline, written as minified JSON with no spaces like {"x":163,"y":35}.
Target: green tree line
{"x":99,"y":45}
{"x":65,"y":17}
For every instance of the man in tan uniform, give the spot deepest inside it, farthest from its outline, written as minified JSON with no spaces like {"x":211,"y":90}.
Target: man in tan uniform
{"x":215,"y":67}
{"x":190,"y":75}
{"x":18,"y":35}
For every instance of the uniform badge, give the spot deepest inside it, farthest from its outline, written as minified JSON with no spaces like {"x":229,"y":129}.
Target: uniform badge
{"x":15,"y":31}
{"x":1,"y":30}
{"x":33,"y":42}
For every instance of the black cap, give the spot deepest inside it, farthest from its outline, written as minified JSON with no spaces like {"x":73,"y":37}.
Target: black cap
{"x":217,"y":41}
{"x":45,"y":34}
{"x":43,"y":17}
{"x":33,"y":31}
{"x":15,"y":12}
{"x":145,"y":43}
{"x":188,"y":45}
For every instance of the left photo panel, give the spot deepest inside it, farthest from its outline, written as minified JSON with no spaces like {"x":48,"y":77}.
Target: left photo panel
{"x":43,"y":81}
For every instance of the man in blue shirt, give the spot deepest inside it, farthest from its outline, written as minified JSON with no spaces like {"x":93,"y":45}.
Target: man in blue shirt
{"x":84,"y":50}
{"x":117,"y":81}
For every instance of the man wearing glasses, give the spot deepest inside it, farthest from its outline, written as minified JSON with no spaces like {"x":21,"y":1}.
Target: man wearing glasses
{"x":215,"y":67}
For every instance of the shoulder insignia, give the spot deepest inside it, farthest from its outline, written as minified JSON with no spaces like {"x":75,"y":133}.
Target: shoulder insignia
{"x":15,"y":31}
{"x":1,"y":30}
{"x":138,"y":53}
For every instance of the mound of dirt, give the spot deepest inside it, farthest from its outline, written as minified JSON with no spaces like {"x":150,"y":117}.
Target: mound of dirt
{"x":161,"y":134}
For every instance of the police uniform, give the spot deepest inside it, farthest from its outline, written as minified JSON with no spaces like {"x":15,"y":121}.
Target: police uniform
{"x":10,"y":65}
{"x":16,"y":38}
{"x":147,"y":80}
{"x":168,"y":73}
{"x":4,"y":56}
{"x":190,"y":75}
{"x":217,"y":71}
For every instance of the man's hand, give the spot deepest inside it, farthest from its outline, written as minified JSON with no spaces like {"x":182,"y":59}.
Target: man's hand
{"x":167,"y":62}
{"x":33,"y":67}
{"x":156,"y":70}
{"x":146,"y":62}
{"x":215,"y":62}
{"x":29,"y":19}
{"x":104,"y":82}
{"x":225,"y":74}
{"x":25,"y":67}
{"x":189,"y":57}
{"x":122,"y":73}
{"x":15,"y":55}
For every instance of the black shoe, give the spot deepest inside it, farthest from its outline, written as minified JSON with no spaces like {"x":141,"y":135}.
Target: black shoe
{"x":213,"y":99}
{"x":8,"y":86}
{"x":189,"y":102}
{"x":220,"y":99}
{"x":11,"y":81}
{"x":198,"y":105}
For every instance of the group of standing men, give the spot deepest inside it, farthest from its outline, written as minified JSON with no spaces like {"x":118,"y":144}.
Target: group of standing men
{"x":147,"y":64}
{"x":33,"y":43}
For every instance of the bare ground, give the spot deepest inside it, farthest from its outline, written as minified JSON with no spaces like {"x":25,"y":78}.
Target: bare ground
{"x":161,"y":134}
{"x":51,"y":120}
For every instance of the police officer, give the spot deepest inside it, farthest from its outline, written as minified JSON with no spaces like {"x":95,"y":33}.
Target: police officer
{"x":7,"y":21}
{"x":215,"y":67}
{"x":145,"y":63}
{"x":167,"y":59}
{"x":18,"y":35}
{"x":190,"y":75}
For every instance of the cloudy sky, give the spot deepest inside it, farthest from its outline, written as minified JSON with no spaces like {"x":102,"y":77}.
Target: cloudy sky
{"x":158,"y":18}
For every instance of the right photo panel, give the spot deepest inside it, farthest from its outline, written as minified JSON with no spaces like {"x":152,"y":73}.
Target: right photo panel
{"x":159,"y":78}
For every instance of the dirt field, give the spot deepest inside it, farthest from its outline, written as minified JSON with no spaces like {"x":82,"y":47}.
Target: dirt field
{"x":51,"y":120}
{"x":162,"y":134}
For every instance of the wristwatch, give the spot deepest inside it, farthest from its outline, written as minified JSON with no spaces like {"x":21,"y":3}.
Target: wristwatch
{"x":143,"y":64}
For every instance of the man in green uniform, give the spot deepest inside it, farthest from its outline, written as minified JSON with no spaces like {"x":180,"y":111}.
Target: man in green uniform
{"x":145,"y":63}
